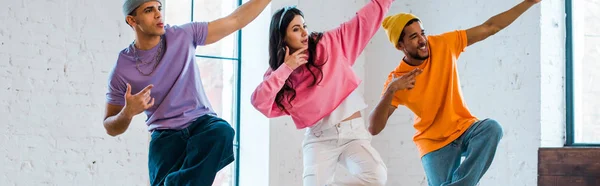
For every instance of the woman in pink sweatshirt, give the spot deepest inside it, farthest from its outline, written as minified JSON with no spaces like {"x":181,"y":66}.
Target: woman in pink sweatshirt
{"x":311,"y":79}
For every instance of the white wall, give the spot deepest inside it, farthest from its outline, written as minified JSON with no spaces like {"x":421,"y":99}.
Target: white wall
{"x":54,"y":61}
{"x":497,"y":77}
{"x":55,"y":56}
{"x":515,"y":77}
{"x":501,"y":78}
{"x":552,"y":80}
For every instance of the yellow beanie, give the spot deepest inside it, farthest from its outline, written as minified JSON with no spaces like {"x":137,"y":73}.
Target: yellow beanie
{"x":393,"y":26}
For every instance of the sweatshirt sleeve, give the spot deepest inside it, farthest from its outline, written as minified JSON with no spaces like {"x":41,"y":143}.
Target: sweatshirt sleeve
{"x":263,"y":97}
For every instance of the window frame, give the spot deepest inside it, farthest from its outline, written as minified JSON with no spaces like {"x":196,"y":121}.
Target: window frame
{"x":569,"y":80}
{"x":237,"y":93}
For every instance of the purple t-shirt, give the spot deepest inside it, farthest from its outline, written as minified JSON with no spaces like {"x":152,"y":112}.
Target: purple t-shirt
{"x":178,"y":91}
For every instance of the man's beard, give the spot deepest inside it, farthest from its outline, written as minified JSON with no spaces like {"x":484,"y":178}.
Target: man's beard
{"x":416,"y":56}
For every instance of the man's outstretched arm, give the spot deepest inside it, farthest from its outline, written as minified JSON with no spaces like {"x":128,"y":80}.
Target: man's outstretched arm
{"x":498,"y":22}
{"x":242,"y":16}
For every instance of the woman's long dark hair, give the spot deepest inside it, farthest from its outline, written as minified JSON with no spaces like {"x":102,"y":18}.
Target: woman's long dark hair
{"x":277,"y":53}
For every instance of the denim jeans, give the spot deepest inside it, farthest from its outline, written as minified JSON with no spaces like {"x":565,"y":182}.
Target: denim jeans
{"x":191,"y":156}
{"x":478,"y":145}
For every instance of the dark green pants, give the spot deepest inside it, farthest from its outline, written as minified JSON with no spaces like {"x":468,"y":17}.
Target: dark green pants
{"x":191,"y":156}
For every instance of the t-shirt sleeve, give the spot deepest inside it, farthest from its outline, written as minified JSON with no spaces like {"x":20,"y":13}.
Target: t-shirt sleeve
{"x":116,"y":90}
{"x":456,"y":41}
{"x":198,"y":31}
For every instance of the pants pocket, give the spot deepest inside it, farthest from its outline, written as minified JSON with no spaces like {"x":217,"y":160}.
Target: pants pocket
{"x":155,"y":134}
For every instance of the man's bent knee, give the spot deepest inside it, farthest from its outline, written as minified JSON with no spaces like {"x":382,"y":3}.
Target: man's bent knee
{"x":493,"y":128}
{"x":223,"y":129}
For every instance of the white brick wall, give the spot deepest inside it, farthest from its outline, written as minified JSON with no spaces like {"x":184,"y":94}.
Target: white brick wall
{"x":511,"y":95}
{"x":54,"y":61}
{"x":55,"y":56}
{"x":552,"y":80}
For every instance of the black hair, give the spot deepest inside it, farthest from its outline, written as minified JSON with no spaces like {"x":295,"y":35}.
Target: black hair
{"x":277,"y":53}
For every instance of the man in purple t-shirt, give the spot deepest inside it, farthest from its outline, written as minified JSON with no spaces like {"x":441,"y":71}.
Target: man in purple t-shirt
{"x":157,"y":74}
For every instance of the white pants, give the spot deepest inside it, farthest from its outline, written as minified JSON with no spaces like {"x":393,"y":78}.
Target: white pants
{"x":349,"y":144}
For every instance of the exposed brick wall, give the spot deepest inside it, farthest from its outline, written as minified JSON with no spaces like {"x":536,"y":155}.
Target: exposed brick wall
{"x":54,"y":61}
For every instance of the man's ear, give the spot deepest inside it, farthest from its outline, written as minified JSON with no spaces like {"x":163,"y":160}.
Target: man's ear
{"x":400,"y":45}
{"x":130,"y":20}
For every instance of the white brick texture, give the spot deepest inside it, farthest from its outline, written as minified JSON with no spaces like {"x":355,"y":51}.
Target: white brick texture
{"x":54,"y":61}
{"x":55,"y":57}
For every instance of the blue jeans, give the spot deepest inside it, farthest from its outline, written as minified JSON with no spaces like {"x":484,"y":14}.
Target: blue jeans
{"x":478,"y":145}
{"x":191,"y":156}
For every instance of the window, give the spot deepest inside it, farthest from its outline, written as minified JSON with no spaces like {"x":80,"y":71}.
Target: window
{"x":582,"y":79}
{"x":218,"y":64}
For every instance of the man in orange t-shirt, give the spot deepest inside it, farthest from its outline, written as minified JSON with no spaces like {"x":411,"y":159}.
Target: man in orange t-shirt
{"x":445,"y":129}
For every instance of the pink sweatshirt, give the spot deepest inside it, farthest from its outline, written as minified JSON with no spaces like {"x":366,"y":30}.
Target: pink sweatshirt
{"x":338,"y":49}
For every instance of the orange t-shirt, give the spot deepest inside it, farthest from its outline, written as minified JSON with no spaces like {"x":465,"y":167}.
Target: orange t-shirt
{"x":436,"y":99}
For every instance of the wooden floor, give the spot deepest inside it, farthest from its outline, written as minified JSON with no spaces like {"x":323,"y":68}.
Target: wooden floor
{"x":569,"y":167}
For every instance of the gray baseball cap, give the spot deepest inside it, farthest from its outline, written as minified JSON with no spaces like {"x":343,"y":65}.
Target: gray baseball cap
{"x":130,"y":5}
